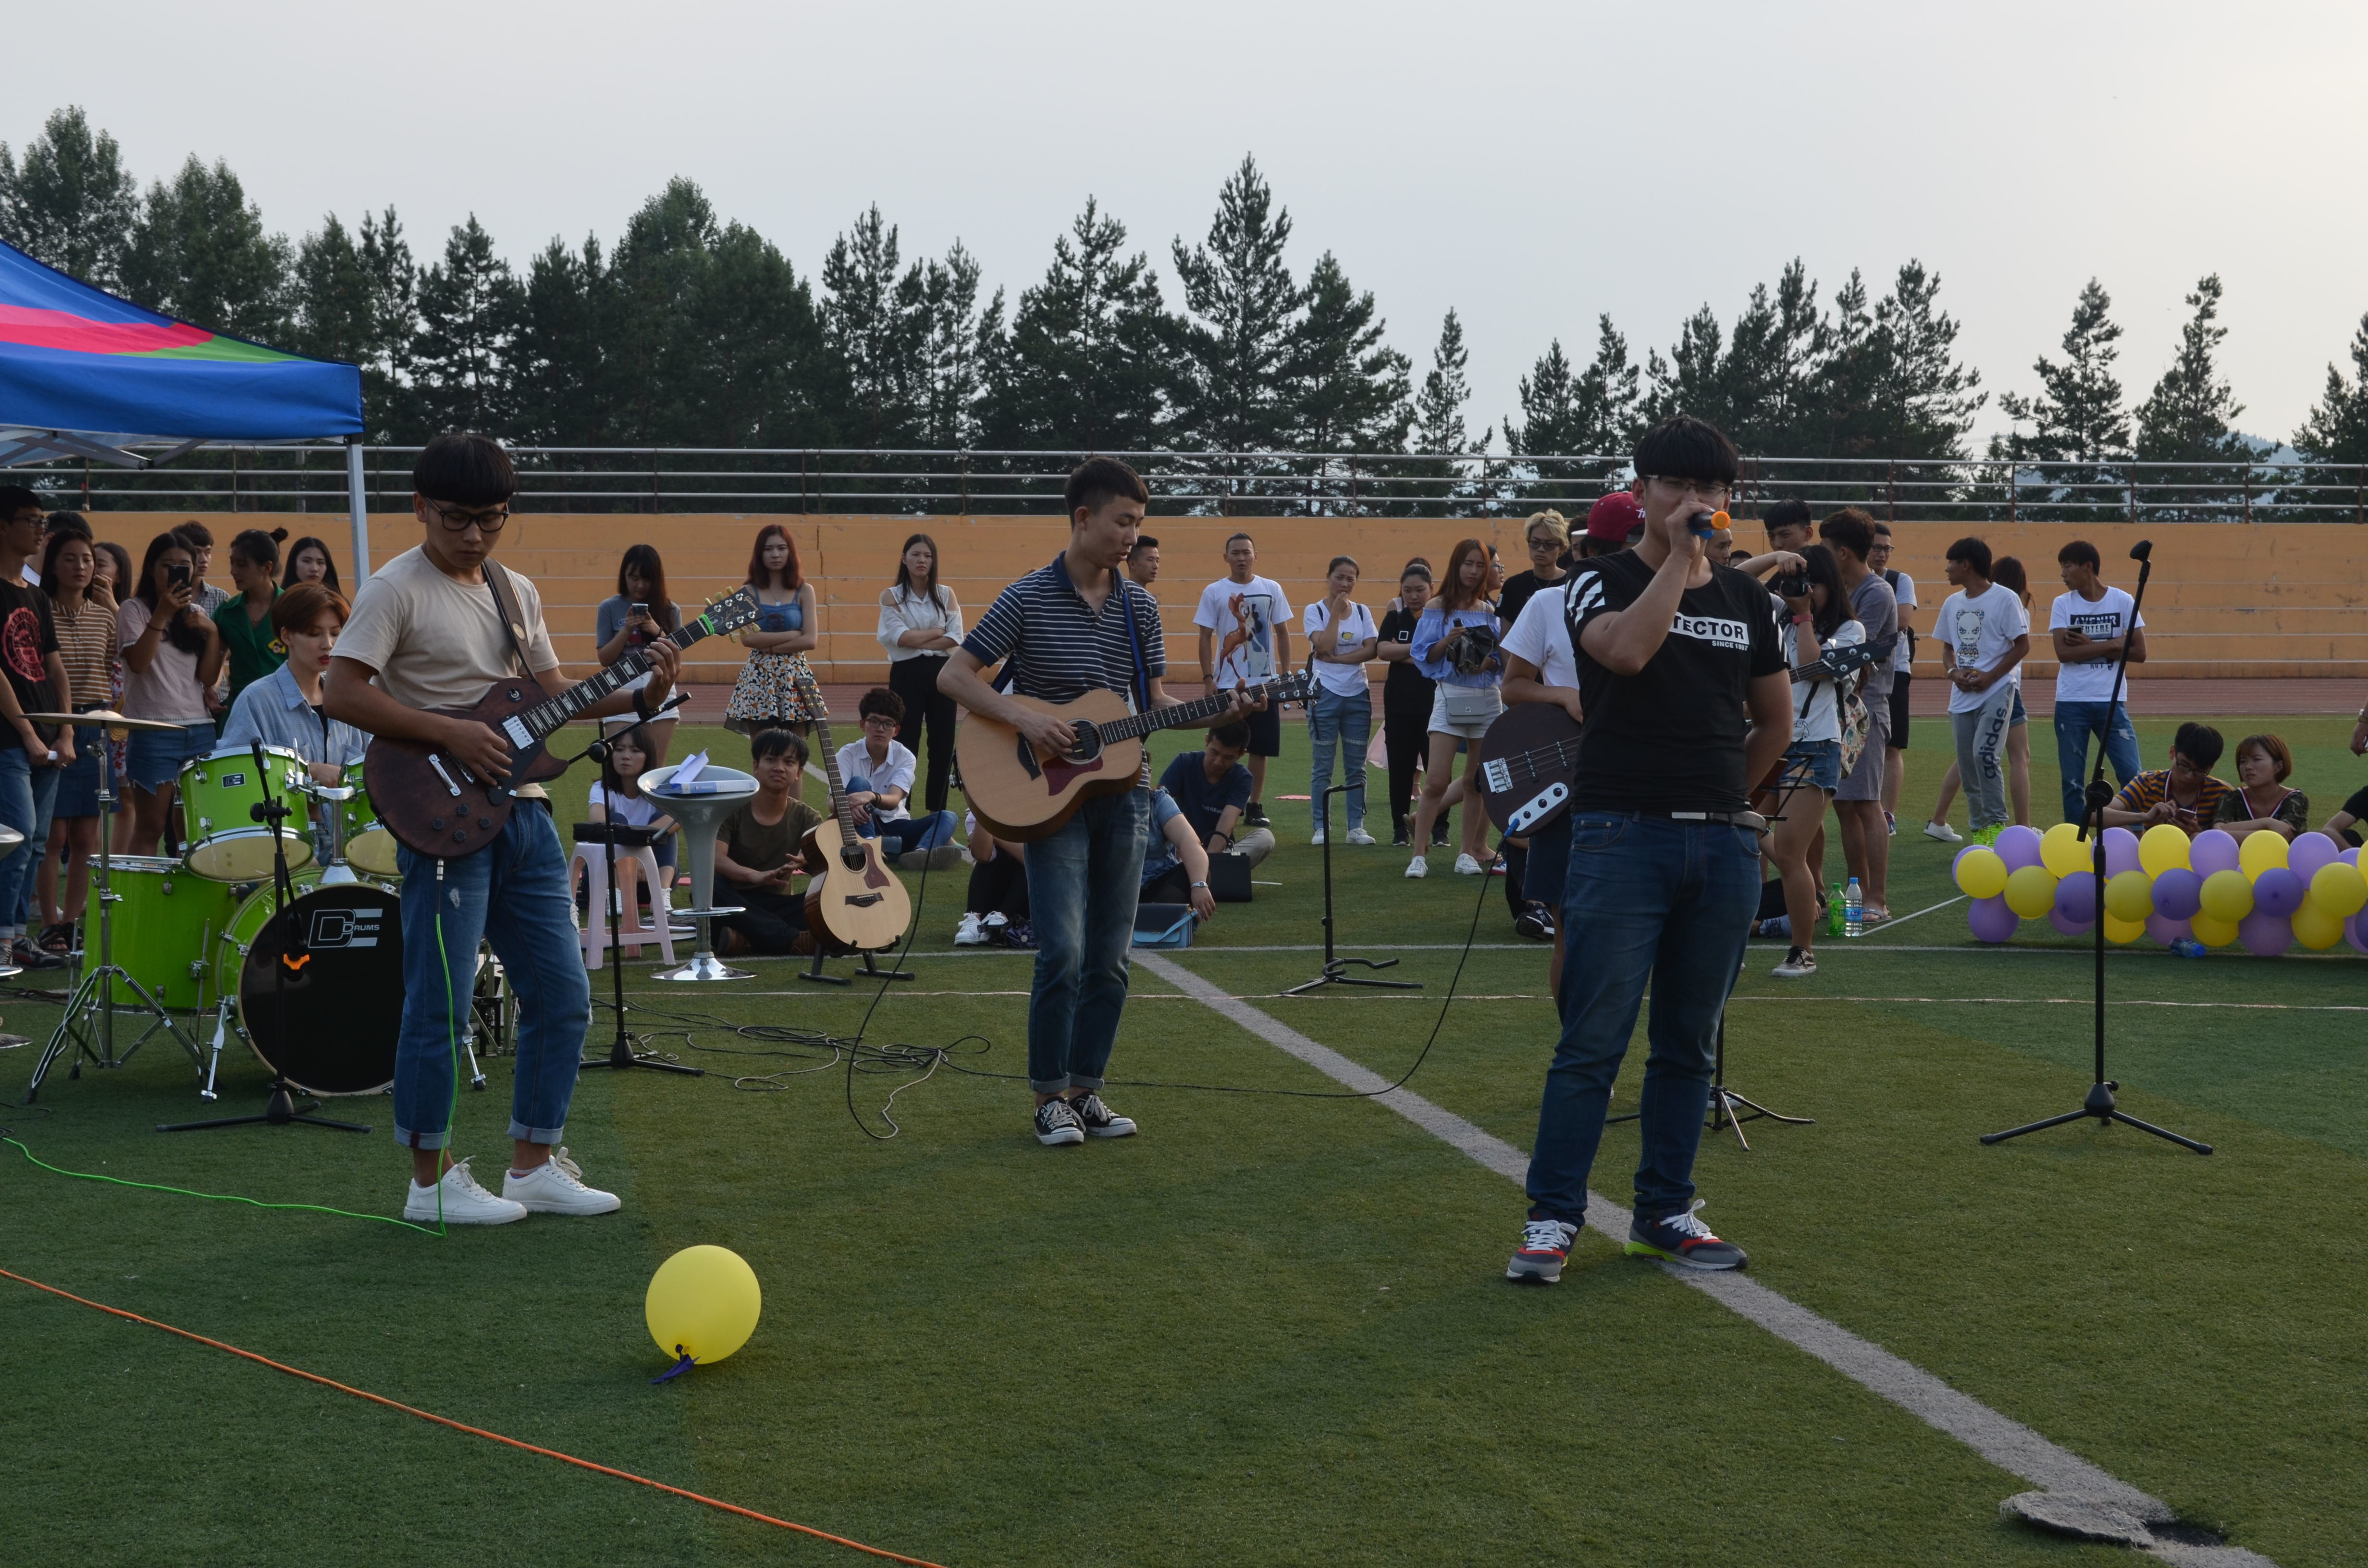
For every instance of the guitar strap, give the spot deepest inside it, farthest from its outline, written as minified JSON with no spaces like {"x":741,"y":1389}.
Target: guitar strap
{"x":505,"y":607}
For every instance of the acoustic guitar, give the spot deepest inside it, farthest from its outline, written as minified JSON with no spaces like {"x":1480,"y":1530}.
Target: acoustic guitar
{"x":1024,"y":796}
{"x":429,"y":799}
{"x":854,"y":905}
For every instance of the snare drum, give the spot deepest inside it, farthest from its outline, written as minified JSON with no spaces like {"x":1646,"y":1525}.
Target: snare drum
{"x":219,"y":793}
{"x":164,"y":926}
{"x":369,"y":848}
{"x":328,"y":1025}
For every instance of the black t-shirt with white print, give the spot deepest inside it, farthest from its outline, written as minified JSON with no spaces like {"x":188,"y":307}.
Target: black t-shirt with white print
{"x":1669,"y":738}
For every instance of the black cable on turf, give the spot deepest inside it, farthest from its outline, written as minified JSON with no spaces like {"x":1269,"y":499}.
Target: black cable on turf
{"x":911,"y":932}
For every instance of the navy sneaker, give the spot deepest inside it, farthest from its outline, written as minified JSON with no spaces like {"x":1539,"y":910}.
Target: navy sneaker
{"x":1098,"y":1120}
{"x":1539,"y":1259}
{"x":1056,"y":1124}
{"x":1683,"y":1240}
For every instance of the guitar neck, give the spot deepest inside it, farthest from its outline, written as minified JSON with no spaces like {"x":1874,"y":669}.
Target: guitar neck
{"x":838,"y":806}
{"x":1193,"y":713}
{"x":546,"y":717}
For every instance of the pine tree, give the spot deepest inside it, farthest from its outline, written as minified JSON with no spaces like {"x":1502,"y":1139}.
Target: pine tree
{"x":1764,"y":383}
{"x":471,"y":314}
{"x":199,"y":251}
{"x":1453,"y":481}
{"x":871,"y":331}
{"x":1925,"y":398}
{"x":956,"y":339}
{"x":560,"y":364}
{"x":2078,"y":416}
{"x":70,"y":201}
{"x":1691,"y":379}
{"x":1568,"y":413}
{"x":656,"y":375}
{"x":335,"y":306}
{"x":1349,"y":389}
{"x":2188,"y":418}
{"x":1089,"y":363}
{"x":2336,"y":429}
{"x":766,"y":373}
{"x":1245,"y":314}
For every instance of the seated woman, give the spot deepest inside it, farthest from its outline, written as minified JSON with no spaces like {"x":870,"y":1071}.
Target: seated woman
{"x":2261,"y":803}
{"x":283,"y":709}
{"x":760,"y":847}
{"x":998,"y":891}
{"x":1175,"y":867}
{"x":628,"y":761}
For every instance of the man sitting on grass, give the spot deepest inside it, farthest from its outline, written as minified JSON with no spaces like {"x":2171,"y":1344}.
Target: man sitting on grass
{"x":1213,"y":789}
{"x":760,"y":847}
{"x":877,"y":773}
{"x":2184,"y":795}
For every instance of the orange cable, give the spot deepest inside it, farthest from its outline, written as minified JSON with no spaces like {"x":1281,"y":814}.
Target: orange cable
{"x":476,"y":1431}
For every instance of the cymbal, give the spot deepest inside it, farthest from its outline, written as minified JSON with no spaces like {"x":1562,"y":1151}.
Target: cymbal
{"x":100,"y":716}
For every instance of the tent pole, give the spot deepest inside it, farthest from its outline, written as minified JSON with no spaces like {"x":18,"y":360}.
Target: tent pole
{"x":358,"y":492}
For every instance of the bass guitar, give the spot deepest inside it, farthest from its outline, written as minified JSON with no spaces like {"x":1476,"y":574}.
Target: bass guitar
{"x":1023,"y":797}
{"x":432,"y":802}
{"x":1524,"y":765}
{"x":854,"y":905}
{"x":1840,"y":662}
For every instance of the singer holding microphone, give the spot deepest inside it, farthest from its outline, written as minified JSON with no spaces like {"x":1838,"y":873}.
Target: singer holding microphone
{"x":1673,"y":651}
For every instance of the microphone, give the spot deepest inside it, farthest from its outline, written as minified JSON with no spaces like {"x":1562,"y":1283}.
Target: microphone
{"x":1705,"y":524}
{"x":2141,"y":550}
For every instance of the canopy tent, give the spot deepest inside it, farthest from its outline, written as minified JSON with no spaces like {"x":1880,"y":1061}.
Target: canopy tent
{"x":86,"y":374}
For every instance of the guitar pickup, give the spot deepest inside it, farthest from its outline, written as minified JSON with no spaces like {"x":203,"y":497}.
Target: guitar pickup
{"x":1541,"y":806}
{"x":515,"y":728}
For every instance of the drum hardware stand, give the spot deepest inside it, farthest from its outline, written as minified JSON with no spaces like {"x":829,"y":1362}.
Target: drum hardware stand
{"x":621,"y":1054}
{"x":280,"y":1109}
{"x":94,"y":991}
{"x":1334,"y":968}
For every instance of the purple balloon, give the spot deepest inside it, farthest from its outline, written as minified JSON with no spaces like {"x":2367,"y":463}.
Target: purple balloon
{"x":2166,"y":930}
{"x":2177,"y":893}
{"x":2355,"y":933}
{"x":2279,"y":892}
{"x":2076,"y":900}
{"x":2214,"y":850}
{"x":1958,"y":859}
{"x":2349,"y":858}
{"x":2069,"y":927}
{"x":2121,"y":851}
{"x":2018,"y":846}
{"x":2309,"y":853}
{"x":2265,"y":935}
{"x":1991,"y":920}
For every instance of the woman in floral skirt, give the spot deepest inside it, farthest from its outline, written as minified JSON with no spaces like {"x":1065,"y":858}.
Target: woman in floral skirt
{"x":766,"y":696}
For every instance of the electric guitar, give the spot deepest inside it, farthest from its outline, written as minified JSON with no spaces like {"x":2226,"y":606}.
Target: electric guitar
{"x":1524,"y":765}
{"x":1024,"y":796}
{"x":854,"y":905}
{"x":1840,"y":662}
{"x":432,"y":802}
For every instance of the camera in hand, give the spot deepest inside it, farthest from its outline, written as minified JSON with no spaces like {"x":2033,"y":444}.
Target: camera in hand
{"x":1795,"y":586}
{"x":1473,"y":650}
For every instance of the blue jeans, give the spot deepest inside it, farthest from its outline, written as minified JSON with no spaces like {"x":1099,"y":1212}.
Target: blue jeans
{"x":1648,"y":899}
{"x":1347,"y":718}
{"x":2075,"y":723}
{"x":909,"y":833}
{"x":513,"y":891}
{"x":1082,"y":886}
{"x":26,"y":795}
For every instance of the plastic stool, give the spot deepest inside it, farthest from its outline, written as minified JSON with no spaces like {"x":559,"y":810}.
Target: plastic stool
{"x":631,"y":932}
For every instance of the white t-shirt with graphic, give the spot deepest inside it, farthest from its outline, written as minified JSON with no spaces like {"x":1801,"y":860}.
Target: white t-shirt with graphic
{"x":1981,"y":629}
{"x":2102,"y":619}
{"x":1356,"y":627}
{"x":1243,"y":616}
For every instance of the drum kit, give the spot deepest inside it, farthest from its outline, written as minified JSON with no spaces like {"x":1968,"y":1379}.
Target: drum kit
{"x":275,"y":860}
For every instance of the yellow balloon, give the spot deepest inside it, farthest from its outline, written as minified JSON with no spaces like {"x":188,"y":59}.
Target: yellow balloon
{"x":2122,"y":933}
{"x":1980,"y":873}
{"x":2314,"y":928}
{"x":2062,"y":851}
{"x":2337,"y":889}
{"x":2210,"y":932}
{"x":703,"y":1303}
{"x":2260,"y":851}
{"x":2163,"y":847}
{"x":2228,"y":898}
{"x":2030,"y":892}
{"x":2129,"y":898}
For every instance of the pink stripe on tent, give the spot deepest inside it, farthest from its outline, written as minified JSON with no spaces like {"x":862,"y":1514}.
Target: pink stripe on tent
{"x":59,"y":329}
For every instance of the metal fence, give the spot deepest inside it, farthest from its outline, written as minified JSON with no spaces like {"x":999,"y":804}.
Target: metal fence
{"x":311,"y":478}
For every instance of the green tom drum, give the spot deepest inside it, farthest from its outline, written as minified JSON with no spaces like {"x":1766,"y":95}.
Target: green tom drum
{"x":219,"y":793}
{"x":165,"y":923}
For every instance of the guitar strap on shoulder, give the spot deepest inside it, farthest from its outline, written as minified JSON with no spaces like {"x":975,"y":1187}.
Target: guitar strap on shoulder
{"x":506,"y":608}
{"x":1134,"y":641}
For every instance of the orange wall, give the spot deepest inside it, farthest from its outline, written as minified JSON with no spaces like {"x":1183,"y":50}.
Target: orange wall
{"x":2226,"y":599}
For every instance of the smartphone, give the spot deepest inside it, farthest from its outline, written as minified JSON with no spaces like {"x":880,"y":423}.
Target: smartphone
{"x":639,"y":609}
{"x":177,"y":575}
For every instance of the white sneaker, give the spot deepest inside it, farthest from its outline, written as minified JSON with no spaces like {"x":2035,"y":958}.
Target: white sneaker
{"x":970,"y":932}
{"x":1465,"y":866}
{"x":1418,"y":867}
{"x":1316,"y":837}
{"x":462,"y":1201}
{"x":1359,"y":835}
{"x":556,"y":1187}
{"x":1943,"y":833}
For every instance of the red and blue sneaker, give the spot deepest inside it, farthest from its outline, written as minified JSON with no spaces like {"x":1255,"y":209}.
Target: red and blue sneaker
{"x":1539,"y":1259}
{"x":1683,"y":1240}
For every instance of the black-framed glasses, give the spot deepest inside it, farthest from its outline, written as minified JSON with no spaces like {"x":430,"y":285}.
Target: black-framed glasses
{"x":1711,"y":492}
{"x":461,"y":519}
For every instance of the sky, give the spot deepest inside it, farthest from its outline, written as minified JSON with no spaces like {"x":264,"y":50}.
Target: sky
{"x":1529,"y":166}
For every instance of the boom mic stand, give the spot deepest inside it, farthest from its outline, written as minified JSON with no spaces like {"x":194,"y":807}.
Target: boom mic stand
{"x":2100,"y":1103}
{"x":621,"y":1054}
{"x":1333,"y":967}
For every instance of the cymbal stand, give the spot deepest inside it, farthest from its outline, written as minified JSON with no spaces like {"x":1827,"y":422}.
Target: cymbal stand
{"x":621,"y":1054}
{"x":88,"y":1024}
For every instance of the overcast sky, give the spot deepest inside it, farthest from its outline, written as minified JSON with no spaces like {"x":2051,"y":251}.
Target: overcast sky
{"x":1528,"y":164}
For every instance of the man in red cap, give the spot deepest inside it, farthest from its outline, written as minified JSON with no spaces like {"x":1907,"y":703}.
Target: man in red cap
{"x":1612,"y":524}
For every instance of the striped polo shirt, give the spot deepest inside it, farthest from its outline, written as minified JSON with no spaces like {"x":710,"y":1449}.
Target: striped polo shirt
{"x":2148,"y":791}
{"x":1058,"y":648}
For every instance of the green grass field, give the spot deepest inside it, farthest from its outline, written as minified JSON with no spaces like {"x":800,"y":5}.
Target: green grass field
{"x":1271,"y":1330}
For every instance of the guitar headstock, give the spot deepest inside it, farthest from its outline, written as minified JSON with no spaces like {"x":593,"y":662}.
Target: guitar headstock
{"x":731,"y":611}
{"x":809,"y":690}
{"x":1297,"y":686}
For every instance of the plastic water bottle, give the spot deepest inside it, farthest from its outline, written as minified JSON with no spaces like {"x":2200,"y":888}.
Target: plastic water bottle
{"x":2188,"y":948}
{"x":1853,"y":911}
{"x":1834,"y":911}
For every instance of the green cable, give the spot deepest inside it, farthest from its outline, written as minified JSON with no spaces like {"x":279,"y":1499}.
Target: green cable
{"x":216,"y":1197}
{"x":452,"y":1038}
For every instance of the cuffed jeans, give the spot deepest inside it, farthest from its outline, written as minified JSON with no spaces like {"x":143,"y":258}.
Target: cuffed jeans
{"x":513,"y":894}
{"x":907,"y":833}
{"x":2075,"y":723}
{"x":1648,"y":899}
{"x":1347,"y":719}
{"x":1082,"y":886}
{"x":1981,"y":743}
{"x":26,"y":795}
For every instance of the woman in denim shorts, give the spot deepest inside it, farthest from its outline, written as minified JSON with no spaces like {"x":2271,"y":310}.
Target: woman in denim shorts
{"x":1811,"y":625}
{"x":173,"y":655}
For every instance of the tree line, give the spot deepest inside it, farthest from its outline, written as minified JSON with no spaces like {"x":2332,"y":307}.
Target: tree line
{"x":693,"y":329}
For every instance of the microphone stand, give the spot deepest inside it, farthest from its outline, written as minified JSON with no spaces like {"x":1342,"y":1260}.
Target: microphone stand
{"x":1334,"y":968}
{"x":621,"y":1054}
{"x":2099,"y":1102}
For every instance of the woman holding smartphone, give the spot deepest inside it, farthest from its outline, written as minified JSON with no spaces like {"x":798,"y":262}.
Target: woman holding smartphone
{"x":637,"y":614}
{"x":174,"y":654}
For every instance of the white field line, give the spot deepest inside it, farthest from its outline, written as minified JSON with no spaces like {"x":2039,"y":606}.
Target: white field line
{"x":2005,"y":1443}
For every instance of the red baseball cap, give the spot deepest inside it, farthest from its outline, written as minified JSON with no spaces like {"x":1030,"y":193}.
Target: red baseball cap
{"x":1615,"y":516}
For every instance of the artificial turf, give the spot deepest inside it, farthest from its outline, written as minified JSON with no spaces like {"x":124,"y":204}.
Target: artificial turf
{"x":1271,"y":1329}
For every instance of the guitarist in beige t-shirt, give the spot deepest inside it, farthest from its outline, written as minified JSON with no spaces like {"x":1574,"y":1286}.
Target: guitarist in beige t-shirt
{"x":425,"y":634}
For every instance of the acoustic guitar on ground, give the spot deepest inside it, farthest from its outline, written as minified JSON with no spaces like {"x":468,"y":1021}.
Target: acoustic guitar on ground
{"x":1023,"y":797}
{"x":855,"y":904}
{"x":430,"y":801}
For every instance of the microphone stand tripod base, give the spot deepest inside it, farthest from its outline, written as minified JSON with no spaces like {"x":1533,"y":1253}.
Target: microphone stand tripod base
{"x":1334,"y":968}
{"x":278,"y":1111}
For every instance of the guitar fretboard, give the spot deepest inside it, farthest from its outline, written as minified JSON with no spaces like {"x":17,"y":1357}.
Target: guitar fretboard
{"x":544,"y":718}
{"x":1191,"y":712}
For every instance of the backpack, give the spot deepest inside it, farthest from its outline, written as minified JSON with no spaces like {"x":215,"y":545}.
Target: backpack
{"x":1891,"y":580}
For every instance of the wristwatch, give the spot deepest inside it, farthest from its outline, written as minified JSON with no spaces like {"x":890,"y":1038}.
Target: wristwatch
{"x":1200,"y":884}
